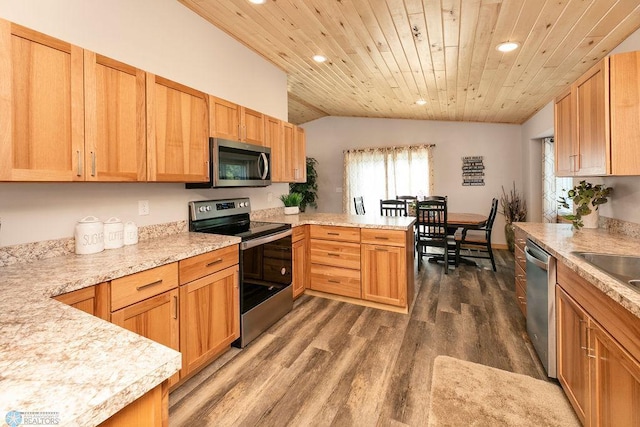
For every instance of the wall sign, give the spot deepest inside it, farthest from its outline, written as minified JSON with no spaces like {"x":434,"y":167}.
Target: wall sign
{"x":472,"y":171}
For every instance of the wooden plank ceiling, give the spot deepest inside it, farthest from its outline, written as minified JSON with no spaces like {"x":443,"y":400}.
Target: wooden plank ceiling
{"x":383,"y":55}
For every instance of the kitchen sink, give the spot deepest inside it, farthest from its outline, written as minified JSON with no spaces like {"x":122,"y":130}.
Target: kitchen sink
{"x":625,"y":268}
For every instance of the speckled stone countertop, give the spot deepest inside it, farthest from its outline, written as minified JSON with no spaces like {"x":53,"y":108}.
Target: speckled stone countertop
{"x":55,"y":358}
{"x":345,"y":220}
{"x":560,"y":241}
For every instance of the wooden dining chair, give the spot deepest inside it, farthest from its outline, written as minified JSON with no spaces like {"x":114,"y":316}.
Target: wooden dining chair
{"x":358,"y":203}
{"x":393,"y":207}
{"x":477,"y":242}
{"x":431,"y":230}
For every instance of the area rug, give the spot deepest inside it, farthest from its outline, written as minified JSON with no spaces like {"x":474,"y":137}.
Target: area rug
{"x":469,"y":394}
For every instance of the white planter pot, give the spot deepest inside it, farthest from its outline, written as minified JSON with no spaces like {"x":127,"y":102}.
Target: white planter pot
{"x":291,"y":210}
{"x":591,"y":220}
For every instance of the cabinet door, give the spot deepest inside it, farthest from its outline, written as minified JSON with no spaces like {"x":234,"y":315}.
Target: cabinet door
{"x":300,"y":262}
{"x":384,"y":274}
{"x":210,"y":317}
{"x":225,"y":119}
{"x":272,"y":135}
{"x":563,"y":138}
{"x":115,"y":121}
{"x":572,"y":357}
{"x":299,"y":156}
{"x":615,"y":382}
{"x":178,"y":132}
{"x":252,"y":126}
{"x":155,"y":318}
{"x":282,"y":155}
{"x":92,"y":300}
{"x":625,"y":108}
{"x":41,"y":107}
{"x":591,"y":95}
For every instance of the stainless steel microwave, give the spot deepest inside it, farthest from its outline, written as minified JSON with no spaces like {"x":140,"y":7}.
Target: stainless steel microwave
{"x":237,"y":164}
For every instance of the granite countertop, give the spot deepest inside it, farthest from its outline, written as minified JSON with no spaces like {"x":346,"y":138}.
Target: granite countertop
{"x":346,"y":220}
{"x":58,"y":359}
{"x":560,"y":241}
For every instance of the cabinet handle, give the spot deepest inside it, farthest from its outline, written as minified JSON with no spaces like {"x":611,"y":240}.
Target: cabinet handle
{"x":93,"y":164}
{"x":333,"y":234}
{"x":175,"y":308}
{"x":148,"y":285}
{"x":206,"y":168}
{"x":212,"y":263}
{"x":332,"y":254}
{"x":520,"y":276}
{"x":382,"y":250}
{"x":79,"y":163}
{"x":381,"y":238}
{"x":333,"y":281}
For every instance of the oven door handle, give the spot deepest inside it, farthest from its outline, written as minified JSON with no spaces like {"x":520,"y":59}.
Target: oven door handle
{"x":262,"y":240}
{"x":265,"y":169}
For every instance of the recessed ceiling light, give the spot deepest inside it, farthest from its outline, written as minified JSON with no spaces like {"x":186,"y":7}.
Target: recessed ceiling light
{"x":258,"y":1}
{"x":319,"y":58}
{"x":421,"y":102}
{"x":507,"y":46}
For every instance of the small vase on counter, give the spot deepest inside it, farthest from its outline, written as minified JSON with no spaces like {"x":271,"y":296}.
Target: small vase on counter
{"x":291,"y":210}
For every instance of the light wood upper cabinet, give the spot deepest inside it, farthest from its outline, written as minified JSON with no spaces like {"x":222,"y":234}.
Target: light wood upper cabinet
{"x":282,"y":155}
{"x":115,"y":121}
{"x":235,"y":122}
{"x":563,"y":138}
{"x":41,"y":107}
{"x":299,"y":156}
{"x":224,"y":119}
{"x":272,"y":134}
{"x":177,"y":132}
{"x":625,"y":113}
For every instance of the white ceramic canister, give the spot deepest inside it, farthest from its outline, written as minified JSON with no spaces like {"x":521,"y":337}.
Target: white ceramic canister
{"x":89,"y":236}
{"x":130,"y":233}
{"x":113,"y":233}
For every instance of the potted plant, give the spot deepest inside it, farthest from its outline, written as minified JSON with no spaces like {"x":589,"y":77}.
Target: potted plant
{"x":514,"y":209}
{"x":291,"y":203}
{"x":586,"y":198}
{"x":308,"y":189}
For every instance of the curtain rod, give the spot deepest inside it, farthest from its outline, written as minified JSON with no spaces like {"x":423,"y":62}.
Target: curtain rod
{"x":360,"y":150}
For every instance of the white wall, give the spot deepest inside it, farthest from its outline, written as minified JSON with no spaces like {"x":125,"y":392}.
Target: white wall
{"x":624,"y":202}
{"x":160,"y":36}
{"x":498,"y":143}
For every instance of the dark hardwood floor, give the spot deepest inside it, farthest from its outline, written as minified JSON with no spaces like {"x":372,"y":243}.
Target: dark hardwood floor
{"x":333,"y":363}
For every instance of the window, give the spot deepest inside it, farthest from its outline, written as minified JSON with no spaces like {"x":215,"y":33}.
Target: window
{"x":553,"y":187}
{"x":384,"y":173}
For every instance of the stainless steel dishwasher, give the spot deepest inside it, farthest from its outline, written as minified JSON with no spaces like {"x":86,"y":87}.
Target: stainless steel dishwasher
{"x":541,"y":304}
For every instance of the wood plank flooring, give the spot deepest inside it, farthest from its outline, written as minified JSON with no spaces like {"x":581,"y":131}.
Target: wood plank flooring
{"x":333,"y":363}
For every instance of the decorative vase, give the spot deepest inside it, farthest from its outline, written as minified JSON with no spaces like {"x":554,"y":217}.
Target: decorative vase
{"x":591,"y":220}
{"x":291,"y":210}
{"x":510,"y":234}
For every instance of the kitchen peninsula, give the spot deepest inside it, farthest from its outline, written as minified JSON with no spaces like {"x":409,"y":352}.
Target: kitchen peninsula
{"x":59,"y":359}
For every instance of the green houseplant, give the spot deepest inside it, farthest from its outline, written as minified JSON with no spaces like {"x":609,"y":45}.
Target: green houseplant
{"x":514,"y":209}
{"x":291,"y":202}
{"x":308,"y":189}
{"x":586,"y":198}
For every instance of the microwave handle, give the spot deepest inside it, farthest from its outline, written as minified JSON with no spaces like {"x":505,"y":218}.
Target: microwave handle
{"x":265,"y":172}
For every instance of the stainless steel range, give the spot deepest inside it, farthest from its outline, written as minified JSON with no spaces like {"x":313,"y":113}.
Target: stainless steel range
{"x":266,"y":293}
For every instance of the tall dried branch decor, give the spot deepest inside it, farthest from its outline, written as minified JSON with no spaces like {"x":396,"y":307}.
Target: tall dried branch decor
{"x":513,"y":207}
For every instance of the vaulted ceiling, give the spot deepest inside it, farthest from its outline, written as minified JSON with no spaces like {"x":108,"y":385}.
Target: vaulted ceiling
{"x":384,"y":55}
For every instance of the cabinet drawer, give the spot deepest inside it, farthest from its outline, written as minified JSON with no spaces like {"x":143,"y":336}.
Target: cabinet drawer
{"x":521,"y":276}
{"x":334,"y":280}
{"x":337,"y":254}
{"x":521,"y":261}
{"x":140,"y":286}
{"x":298,"y":233}
{"x":383,"y":237}
{"x":327,"y":232}
{"x":202,"y":265}
{"x":520,"y":238}
{"x":521,"y":298}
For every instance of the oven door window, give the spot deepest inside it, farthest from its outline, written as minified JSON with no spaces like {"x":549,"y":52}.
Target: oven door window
{"x":266,"y":270}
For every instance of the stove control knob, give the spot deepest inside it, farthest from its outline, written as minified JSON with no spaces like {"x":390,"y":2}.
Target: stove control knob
{"x":208,"y":208}
{"x":201,"y":209}
{"x":241,"y":204}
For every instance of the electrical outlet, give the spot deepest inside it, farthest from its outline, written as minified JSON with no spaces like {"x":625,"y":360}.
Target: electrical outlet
{"x":143,"y":207}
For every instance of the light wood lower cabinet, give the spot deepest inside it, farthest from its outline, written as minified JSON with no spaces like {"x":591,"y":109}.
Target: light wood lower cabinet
{"x":521,"y":270}
{"x":598,"y":353}
{"x":387,"y":266}
{"x":155,"y":318}
{"x":151,"y":410}
{"x":92,"y":300}
{"x":210,"y":317}
{"x":300,"y":259}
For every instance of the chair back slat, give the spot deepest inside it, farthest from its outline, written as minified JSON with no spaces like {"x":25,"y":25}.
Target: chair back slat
{"x":358,"y":203}
{"x":393,"y":207}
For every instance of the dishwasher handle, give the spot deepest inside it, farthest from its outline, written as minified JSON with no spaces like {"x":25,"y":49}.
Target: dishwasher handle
{"x":530,"y":257}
